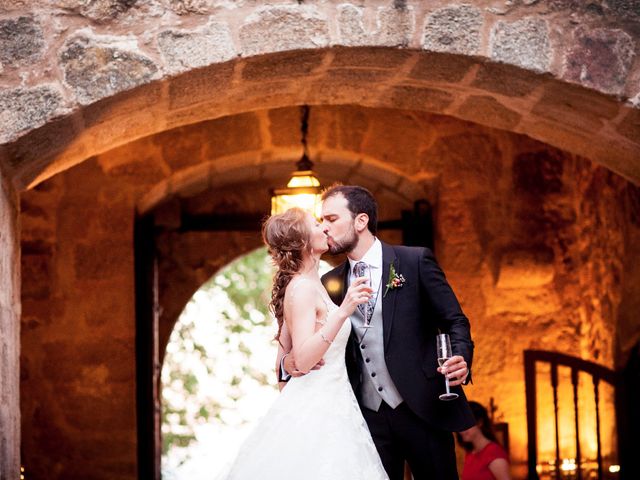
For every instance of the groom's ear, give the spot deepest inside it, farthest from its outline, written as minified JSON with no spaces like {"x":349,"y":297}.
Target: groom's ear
{"x":361,"y":222}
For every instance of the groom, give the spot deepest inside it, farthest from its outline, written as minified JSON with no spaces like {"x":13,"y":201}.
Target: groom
{"x":392,"y":366}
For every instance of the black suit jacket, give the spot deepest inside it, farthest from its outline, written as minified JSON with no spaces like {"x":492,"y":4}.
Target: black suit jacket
{"x":412,"y":316}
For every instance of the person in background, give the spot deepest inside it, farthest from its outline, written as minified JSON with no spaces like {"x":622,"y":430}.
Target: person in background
{"x":485,"y":459}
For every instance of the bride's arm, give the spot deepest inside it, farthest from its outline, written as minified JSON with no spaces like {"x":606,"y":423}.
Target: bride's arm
{"x":309,"y":344}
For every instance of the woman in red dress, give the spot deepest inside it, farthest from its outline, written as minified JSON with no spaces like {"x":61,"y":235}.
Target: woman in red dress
{"x":485,"y":458}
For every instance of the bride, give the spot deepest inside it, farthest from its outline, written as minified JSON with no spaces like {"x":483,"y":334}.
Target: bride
{"x":315,"y":429}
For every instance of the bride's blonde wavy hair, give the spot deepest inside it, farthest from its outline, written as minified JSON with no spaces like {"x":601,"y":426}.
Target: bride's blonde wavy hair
{"x":287,"y":237}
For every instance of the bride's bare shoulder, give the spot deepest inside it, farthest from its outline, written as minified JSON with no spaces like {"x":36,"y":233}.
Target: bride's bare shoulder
{"x":299,"y":288}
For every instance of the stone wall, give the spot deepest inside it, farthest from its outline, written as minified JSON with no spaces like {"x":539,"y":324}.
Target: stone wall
{"x":79,"y":78}
{"x":78,"y":328}
{"x":538,"y":244}
{"x":9,"y":331}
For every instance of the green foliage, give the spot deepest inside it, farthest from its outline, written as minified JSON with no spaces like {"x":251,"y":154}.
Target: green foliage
{"x":244,"y":287}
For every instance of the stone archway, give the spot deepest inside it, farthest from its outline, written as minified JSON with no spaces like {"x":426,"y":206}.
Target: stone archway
{"x":498,"y":197}
{"x":569,"y":78}
{"x":527,"y":68}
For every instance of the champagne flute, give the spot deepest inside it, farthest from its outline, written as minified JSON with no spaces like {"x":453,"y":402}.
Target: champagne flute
{"x":443,"y":345}
{"x":364,"y":270}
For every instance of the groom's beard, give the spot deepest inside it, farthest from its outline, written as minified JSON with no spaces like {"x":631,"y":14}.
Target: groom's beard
{"x":346,"y":245}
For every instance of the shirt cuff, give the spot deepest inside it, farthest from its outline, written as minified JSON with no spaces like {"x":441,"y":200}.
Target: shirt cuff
{"x":283,"y":375}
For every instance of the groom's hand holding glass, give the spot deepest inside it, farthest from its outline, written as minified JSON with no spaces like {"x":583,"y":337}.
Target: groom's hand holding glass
{"x":359,"y":292}
{"x":456,"y":370}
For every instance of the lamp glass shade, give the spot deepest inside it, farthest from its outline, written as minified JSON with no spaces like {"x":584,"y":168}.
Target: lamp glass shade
{"x":302,"y":191}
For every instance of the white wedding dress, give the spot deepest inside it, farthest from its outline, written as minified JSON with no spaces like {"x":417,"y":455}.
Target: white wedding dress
{"x":313,"y":431}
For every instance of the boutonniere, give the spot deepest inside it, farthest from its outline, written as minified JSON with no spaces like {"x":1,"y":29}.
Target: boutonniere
{"x":396,"y":280}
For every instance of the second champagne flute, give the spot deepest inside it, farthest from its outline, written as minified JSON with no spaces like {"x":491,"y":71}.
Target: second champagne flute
{"x":443,"y":346}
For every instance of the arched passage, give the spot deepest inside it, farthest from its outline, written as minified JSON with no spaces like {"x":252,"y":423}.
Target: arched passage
{"x":512,"y":215}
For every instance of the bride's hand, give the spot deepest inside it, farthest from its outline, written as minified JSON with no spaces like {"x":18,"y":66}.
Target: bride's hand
{"x":359,"y":292}
{"x":290,"y":366}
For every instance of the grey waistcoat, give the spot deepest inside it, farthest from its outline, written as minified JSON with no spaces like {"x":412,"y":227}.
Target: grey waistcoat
{"x":377,"y":384}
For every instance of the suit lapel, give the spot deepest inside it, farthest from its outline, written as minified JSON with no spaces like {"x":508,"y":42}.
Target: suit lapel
{"x":388,"y":300}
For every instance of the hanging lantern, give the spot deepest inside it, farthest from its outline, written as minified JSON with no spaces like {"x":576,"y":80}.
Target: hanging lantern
{"x":303,"y":189}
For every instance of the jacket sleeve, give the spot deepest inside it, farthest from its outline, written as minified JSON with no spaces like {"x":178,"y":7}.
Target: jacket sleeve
{"x":445,"y":307}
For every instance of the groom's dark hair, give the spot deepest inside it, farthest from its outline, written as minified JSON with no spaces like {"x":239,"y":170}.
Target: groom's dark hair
{"x":359,"y":200}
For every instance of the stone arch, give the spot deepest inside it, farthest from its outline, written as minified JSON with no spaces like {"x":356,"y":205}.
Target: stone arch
{"x":561,"y":114}
{"x":568,"y":76}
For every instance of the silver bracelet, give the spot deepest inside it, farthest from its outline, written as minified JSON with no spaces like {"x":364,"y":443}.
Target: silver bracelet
{"x":325,"y":338}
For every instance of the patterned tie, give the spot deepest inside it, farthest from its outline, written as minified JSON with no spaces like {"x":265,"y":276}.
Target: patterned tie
{"x":360,"y":269}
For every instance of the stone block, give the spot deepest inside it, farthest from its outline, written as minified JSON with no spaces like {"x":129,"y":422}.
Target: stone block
{"x":386,"y":58}
{"x":488,"y":111}
{"x":24,"y":109}
{"x":351,"y":29}
{"x":625,"y":10}
{"x":32,"y":153}
{"x":575,"y":106}
{"x":231,"y":135}
{"x":630,"y":125}
{"x":200,"y":85}
{"x":506,"y":79}
{"x":524,"y":43}
{"x":11,"y":5}
{"x":96,"y":69}
{"x":453,"y":29}
{"x":275,"y":29}
{"x":184,"y":50}
{"x":190,"y":182}
{"x":395,"y":143}
{"x":186,"y":7}
{"x":395,"y":26}
{"x":441,"y":67}
{"x":153,"y":197}
{"x":268,"y":94}
{"x":21,"y":41}
{"x":181,"y":147}
{"x":143,"y":171}
{"x":123,"y":106}
{"x":415,"y":98}
{"x":101,"y":11}
{"x":102,"y":259}
{"x":282,"y":66}
{"x":284,"y":126}
{"x":358,"y":76}
{"x":600,"y":59}
{"x":323,"y":91}
{"x":340,"y":127}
